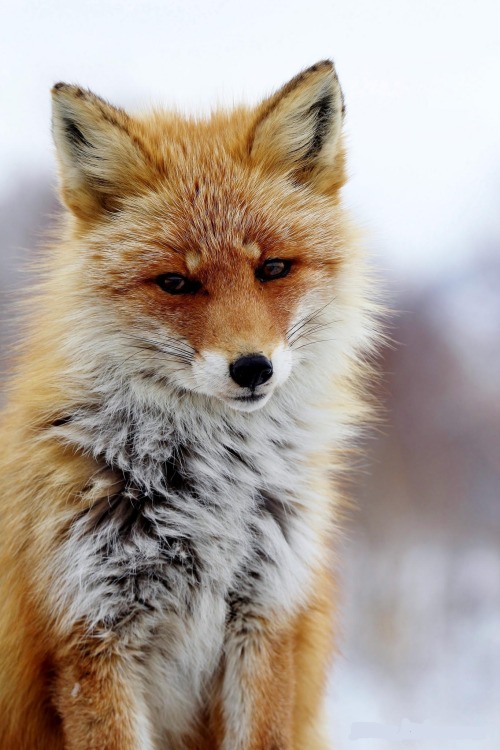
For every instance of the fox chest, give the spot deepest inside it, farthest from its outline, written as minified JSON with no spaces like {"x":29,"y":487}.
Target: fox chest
{"x":169,"y":570}
{"x":210,"y":536}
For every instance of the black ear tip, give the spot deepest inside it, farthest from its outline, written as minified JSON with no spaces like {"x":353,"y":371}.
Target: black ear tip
{"x":68,"y":89}
{"x":323,"y":65}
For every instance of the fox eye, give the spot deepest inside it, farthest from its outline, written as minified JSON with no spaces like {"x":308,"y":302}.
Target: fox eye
{"x":176,"y":283}
{"x":274,"y":268}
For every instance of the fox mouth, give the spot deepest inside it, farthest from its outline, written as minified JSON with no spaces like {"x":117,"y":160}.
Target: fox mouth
{"x":249,"y":401}
{"x":252,"y":398}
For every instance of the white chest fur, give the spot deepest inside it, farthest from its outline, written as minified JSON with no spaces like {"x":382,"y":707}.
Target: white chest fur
{"x":210,"y":517}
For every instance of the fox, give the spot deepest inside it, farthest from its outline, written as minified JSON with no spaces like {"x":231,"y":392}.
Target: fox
{"x":194,"y":367}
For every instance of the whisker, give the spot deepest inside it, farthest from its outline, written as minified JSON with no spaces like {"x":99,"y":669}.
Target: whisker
{"x":316,"y":341}
{"x":179,"y":354}
{"x":309,"y":318}
{"x":309,"y":331}
{"x":163,"y":343}
{"x":159,"y":355}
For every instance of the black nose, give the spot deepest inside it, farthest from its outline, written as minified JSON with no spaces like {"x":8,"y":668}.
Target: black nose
{"x":251,"y":371}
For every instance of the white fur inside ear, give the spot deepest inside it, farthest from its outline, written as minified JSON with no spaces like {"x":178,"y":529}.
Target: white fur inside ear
{"x":302,"y":124}
{"x":99,"y":159}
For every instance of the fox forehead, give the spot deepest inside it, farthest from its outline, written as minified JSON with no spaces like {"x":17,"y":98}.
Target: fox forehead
{"x":210,"y":211}
{"x":213,"y":204}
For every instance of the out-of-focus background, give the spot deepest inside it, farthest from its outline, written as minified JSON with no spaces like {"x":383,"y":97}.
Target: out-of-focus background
{"x":421,"y":565}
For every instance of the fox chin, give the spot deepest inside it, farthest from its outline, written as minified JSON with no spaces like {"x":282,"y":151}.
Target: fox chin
{"x":195,"y":364}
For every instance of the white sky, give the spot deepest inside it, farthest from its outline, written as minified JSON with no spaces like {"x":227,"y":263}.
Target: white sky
{"x":421,"y":80}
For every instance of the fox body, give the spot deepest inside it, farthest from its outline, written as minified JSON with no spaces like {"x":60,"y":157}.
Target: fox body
{"x":189,"y":380}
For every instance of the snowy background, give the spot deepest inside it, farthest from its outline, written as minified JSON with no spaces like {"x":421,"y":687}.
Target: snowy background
{"x":421,"y":565}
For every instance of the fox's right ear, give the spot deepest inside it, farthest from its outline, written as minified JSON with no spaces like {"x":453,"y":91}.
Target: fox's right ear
{"x":101,"y":159}
{"x":298,"y":130}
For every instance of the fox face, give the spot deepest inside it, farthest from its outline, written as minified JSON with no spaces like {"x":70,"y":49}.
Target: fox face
{"x":205,"y":250}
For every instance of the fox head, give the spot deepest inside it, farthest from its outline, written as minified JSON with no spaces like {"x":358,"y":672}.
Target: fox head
{"x":205,"y":250}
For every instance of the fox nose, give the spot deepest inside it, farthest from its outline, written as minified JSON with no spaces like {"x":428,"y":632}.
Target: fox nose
{"x":251,"y":370}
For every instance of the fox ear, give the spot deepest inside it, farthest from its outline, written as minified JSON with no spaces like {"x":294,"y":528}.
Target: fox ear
{"x":100,"y":160}
{"x":298,"y":129}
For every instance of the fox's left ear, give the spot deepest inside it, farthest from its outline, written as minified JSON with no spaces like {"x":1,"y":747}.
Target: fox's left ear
{"x":101,"y":155}
{"x":298,"y":129}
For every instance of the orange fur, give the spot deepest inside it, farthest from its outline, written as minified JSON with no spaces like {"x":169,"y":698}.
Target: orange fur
{"x":61,"y":689}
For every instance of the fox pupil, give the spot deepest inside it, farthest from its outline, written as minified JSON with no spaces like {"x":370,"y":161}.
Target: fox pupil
{"x":274,"y":268}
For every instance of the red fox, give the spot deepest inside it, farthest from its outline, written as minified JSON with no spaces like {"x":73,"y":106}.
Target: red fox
{"x":193,"y":368}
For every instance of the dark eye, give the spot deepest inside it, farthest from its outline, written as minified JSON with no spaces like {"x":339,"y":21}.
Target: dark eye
{"x":274,"y":268}
{"x":176,"y":283}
